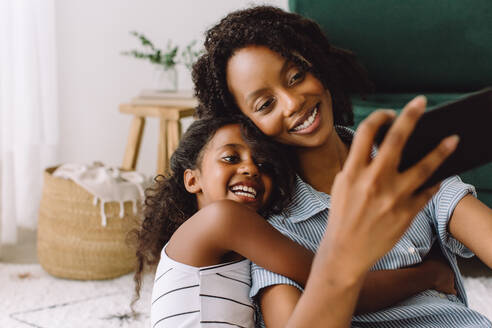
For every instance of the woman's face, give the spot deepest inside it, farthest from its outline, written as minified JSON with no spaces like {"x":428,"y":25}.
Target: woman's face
{"x":284,"y":102}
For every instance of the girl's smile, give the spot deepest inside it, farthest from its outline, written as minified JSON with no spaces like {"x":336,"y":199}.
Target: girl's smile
{"x":285,"y":102}
{"x":246,"y":191}
{"x":228,"y":170}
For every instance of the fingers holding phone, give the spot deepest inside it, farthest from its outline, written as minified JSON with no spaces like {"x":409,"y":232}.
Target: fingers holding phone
{"x":373,"y":203}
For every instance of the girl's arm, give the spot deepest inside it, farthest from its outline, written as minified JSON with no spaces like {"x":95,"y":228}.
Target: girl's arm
{"x":231,"y":226}
{"x":226,"y":226}
{"x":471,"y":224}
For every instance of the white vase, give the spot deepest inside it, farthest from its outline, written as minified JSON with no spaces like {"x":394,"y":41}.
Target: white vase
{"x":165,"y":78}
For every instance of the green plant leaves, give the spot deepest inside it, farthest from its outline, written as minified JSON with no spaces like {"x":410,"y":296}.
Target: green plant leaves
{"x":167,"y":58}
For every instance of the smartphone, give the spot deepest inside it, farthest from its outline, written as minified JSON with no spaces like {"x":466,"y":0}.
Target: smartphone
{"x":469,"y":117}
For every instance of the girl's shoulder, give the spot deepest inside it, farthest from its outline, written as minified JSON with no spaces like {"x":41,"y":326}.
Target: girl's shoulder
{"x":223,"y":212}
{"x":207,"y":235}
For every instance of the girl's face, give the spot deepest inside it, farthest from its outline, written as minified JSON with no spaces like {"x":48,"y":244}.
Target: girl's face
{"x":284,"y":102}
{"x":228,"y":171}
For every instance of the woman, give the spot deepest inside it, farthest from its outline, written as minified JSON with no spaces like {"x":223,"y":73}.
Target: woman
{"x":279,"y":70}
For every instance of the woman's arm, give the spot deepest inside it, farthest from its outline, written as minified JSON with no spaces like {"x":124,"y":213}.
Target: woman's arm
{"x":471,"y":224}
{"x":360,"y":232}
{"x":434,"y":273}
{"x":278,"y":302}
{"x":328,"y":300}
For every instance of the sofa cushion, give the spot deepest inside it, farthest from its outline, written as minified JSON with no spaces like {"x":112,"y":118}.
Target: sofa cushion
{"x":480,"y":177}
{"x":412,"y":45}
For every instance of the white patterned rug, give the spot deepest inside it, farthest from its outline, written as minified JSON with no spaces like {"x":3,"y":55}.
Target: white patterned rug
{"x":29,"y":297}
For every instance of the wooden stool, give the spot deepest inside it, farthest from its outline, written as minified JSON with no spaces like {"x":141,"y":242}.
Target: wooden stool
{"x":169,"y":130}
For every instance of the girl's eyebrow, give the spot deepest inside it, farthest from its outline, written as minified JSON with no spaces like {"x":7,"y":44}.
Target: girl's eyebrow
{"x":231,"y":145}
{"x":285,"y":66}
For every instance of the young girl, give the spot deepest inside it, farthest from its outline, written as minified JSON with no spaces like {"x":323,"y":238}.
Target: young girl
{"x":202,"y":238}
{"x":280,"y":71}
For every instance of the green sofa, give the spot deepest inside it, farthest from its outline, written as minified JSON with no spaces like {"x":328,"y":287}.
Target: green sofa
{"x":442,"y":49}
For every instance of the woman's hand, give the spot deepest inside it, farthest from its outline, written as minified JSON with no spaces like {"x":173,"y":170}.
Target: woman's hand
{"x":372,"y":202}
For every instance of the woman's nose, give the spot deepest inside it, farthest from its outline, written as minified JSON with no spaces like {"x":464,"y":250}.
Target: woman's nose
{"x":293,"y":102}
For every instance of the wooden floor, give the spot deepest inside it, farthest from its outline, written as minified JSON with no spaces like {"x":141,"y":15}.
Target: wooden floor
{"x":24,"y":252}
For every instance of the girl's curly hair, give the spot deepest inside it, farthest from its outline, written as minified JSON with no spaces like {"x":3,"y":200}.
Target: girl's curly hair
{"x":168,"y":204}
{"x":292,"y":36}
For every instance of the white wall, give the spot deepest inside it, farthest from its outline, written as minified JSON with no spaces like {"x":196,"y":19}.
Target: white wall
{"x":94,"y":78}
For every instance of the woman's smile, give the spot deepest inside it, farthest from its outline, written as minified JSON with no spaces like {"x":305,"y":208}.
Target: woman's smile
{"x":309,"y":122}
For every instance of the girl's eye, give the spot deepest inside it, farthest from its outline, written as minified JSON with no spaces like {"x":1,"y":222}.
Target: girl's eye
{"x":298,"y":76}
{"x":266,"y":104}
{"x":231,"y":159}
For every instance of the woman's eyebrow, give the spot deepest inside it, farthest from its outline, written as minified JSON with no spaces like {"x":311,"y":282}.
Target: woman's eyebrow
{"x":255,"y":94}
{"x":285,"y":66}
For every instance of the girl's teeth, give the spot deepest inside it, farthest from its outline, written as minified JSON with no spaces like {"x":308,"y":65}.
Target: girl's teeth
{"x":249,"y":190}
{"x":308,"y":121}
{"x":245,"y":194}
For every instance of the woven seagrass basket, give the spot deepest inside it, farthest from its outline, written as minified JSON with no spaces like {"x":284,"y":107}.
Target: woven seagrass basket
{"x":72,"y":243}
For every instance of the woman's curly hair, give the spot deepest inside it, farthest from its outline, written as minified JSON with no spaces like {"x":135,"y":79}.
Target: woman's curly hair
{"x":168,"y":204}
{"x":292,"y":36}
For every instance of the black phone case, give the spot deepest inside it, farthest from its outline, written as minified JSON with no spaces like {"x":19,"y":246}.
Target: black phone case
{"x":470,"y":118}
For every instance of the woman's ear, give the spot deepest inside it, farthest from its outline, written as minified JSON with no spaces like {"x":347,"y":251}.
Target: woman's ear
{"x":192,"y":181}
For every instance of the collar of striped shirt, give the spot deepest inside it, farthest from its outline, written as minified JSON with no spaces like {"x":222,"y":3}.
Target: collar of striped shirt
{"x":307,"y":201}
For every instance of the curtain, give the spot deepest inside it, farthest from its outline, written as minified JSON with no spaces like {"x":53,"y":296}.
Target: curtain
{"x":29,"y":124}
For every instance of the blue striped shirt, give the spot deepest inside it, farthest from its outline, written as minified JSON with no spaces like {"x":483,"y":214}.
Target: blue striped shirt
{"x":305,"y":219}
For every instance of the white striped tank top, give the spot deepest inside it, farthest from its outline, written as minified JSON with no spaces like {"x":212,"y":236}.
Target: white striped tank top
{"x":214,"y":296}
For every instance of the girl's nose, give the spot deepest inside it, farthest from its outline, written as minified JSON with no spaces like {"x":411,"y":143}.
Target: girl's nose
{"x":248,"y":168}
{"x":293,"y":102}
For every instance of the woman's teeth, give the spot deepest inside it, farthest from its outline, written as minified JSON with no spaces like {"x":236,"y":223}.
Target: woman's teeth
{"x":308,"y":121}
{"x":244,"y":191}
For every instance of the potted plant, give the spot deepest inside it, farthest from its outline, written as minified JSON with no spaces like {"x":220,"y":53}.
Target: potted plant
{"x":165,"y":61}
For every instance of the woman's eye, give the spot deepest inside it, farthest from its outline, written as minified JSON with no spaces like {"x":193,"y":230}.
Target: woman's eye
{"x":231,"y":158}
{"x":265,"y":104}
{"x":298,"y":76}
{"x":265,"y":167}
